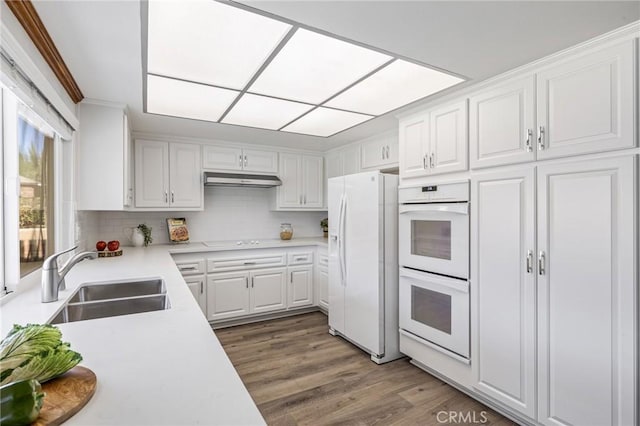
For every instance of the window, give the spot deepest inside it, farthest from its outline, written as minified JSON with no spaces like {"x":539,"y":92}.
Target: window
{"x":36,"y":197}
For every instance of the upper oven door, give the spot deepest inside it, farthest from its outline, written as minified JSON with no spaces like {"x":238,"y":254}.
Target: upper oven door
{"x":435,"y":238}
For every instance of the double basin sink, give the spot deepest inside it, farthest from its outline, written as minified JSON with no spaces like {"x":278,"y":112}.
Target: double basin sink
{"x":114,"y":298}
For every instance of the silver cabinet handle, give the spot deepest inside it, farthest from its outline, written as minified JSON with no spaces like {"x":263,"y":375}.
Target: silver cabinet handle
{"x":383,"y":152}
{"x":431,"y":160}
{"x":246,"y":161}
{"x":528,"y":141}
{"x":249,"y":263}
{"x":387,"y":152}
{"x":252,"y":281}
{"x":201,"y":287}
{"x":240,"y":164}
{"x":166,"y":197}
{"x":291,"y":277}
{"x":187,"y":268}
{"x":305,"y":199}
{"x":529,"y":261}
{"x":540,"y":138}
{"x":424,"y":162}
{"x":246,"y":280}
{"x":541,"y":264}
{"x":172,"y":197}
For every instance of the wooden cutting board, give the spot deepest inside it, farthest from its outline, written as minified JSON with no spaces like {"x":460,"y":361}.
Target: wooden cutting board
{"x":66,"y":395}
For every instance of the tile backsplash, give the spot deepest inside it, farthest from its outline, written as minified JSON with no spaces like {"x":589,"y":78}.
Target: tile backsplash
{"x":229,"y":214}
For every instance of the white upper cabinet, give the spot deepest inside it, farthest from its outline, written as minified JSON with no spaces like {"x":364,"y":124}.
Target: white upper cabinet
{"x":581,"y":104}
{"x":104,"y":152}
{"x":342,"y":162}
{"x":434,"y":142}
{"x":335,"y":164}
{"x":414,"y":139}
{"x":302,"y":182}
{"x":502,"y":124}
{"x":185,"y":185}
{"x":152,"y":173}
{"x":586,"y":104}
{"x":380,"y":152}
{"x":217,"y":157}
{"x":448,"y":138}
{"x":168,"y":175}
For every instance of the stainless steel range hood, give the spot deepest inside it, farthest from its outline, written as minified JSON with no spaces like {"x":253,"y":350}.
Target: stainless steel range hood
{"x":239,"y":179}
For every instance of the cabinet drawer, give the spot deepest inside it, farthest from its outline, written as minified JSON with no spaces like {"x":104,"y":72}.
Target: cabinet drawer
{"x":192,"y":267}
{"x":301,"y":258}
{"x":323,"y":260}
{"x":245,"y":262}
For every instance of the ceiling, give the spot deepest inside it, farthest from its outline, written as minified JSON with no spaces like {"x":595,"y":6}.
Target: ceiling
{"x":101,"y":43}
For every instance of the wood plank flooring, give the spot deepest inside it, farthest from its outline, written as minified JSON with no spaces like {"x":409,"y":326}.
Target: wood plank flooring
{"x":298,"y":374}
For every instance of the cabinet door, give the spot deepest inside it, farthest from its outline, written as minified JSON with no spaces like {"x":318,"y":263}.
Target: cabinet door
{"x":586,"y":293}
{"x":503,"y":299}
{"x":185,"y":175}
{"x":268,"y":290}
{"x":413,"y":146}
{"x":152,"y":174}
{"x":312,"y":181}
{"x":586,"y":104}
{"x":227,"y":295}
{"x":380,"y":152}
{"x":351,"y":160}
{"x":334,"y":164}
{"x":323,"y":288}
{"x":300,"y":286}
{"x":198,"y":289}
{"x":448,"y":138}
{"x":255,"y":160}
{"x":501,"y":124}
{"x":127,"y":163}
{"x":222,"y":158}
{"x":290,"y":192}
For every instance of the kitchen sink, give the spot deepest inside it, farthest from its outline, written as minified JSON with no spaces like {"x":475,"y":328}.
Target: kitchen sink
{"x":118,"y":290}
{"x":110,"y":299}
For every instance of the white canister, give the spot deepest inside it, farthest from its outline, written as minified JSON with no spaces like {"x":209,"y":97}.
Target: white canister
{"x":136,"y":237}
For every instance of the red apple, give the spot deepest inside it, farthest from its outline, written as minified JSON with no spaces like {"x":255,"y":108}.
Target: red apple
{"x":101,"y":245}
{"x":113,"y":245}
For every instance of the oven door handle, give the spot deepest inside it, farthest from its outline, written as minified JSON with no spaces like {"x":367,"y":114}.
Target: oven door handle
{"x":450,"y":284}
{"x":460,"y":208}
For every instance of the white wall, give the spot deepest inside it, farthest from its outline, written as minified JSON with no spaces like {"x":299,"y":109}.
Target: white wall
{"x":230,"y":214}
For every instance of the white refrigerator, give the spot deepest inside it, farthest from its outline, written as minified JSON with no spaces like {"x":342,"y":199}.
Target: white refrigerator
{"x":363,"y":262}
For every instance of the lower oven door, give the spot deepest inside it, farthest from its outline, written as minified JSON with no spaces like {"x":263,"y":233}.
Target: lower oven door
{"x":436,"y":309}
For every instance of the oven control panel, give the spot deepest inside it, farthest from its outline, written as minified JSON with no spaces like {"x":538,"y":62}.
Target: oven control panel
{"x":448,"y":192}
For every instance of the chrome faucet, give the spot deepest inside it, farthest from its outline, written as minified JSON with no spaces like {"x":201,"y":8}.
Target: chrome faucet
{"x":52,"y":279}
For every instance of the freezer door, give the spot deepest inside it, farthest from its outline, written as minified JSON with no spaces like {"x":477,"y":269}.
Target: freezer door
{"x":335,"y":194}
{"x":364,"y":260}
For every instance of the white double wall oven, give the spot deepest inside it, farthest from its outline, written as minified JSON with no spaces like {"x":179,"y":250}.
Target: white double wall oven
{"x":434,"y":266}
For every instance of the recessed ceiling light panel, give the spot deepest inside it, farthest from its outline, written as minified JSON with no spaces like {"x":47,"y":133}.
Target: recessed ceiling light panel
{"x":325,"y":122}
{"x":209,"y":42}
{"x":264,"y":112}
{"x":178,"y":98}
{"x":396,"y":85}
{"x":312,"y":67}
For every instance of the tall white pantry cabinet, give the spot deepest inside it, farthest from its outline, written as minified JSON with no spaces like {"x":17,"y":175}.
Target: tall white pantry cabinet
{"x":554,"y":172}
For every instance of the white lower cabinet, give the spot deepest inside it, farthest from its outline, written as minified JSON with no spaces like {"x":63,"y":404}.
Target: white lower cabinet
{"x":554,"y":309}
{"x":300,"y":286}
{"x":199,"y":290}
{"x":268,"y":290}
{"x":322,"y":281}
{"x":227,"y":295}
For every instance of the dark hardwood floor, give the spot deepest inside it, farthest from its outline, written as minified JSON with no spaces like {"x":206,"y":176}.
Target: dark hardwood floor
{"x":298,"y":374}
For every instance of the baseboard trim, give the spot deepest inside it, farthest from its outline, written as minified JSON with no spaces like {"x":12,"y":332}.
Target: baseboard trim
{"x":262,"y":317}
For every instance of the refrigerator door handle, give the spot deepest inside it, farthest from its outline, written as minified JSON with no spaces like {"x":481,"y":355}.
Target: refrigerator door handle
{"x":341,"y":242}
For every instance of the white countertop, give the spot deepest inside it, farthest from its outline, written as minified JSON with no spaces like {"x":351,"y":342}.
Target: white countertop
{"x":163,"y":367}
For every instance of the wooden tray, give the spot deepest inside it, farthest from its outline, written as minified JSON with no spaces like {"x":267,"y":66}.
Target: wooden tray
{"x":66,"y":395}
{"x":110,"y":253}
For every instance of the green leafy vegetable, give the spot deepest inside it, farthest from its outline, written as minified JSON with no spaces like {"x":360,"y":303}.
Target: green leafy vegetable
{"x":20,"y":402}
{"x":35,"y":351}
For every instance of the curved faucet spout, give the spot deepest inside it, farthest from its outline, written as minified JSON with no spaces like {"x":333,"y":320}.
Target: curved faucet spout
{"x":53,"y":279}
